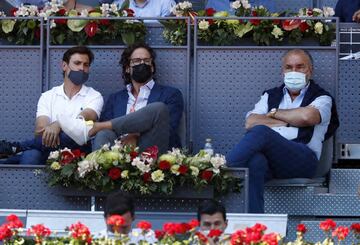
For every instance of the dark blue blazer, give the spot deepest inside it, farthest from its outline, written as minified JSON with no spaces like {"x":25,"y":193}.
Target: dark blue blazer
{"x":345,"y":9}
{"x":116,"y":105}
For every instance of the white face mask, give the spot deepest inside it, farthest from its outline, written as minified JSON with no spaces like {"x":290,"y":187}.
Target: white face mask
{"x":295,"y":81}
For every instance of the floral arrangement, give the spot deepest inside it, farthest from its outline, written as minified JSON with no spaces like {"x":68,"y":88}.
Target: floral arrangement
{"x":124,"y":167}
{"x":217,"y":31}
{"x":12,"y":232}
{"x":97,"y":28}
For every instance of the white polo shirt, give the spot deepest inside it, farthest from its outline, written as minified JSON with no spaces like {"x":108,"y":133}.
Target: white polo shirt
{"x":55,"y":102}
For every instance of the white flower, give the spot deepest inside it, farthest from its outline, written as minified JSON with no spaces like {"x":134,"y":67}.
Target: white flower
{"x":240,"y":3}
{"x":106,"y":147}
{"x":246,"y":4}
{"x":317,"y":10}
{"x":54,"y":155}
{"x":319,"y":27}
{"x":175,"y":169}
{"x":218,"y":161}
{"x":204,"y":25}
{"x":157,"y":176}
{"x":52,"y":24}
{"x":261,"y":7}
{"x":114,"y":7}
{"x":235,"y":4}
{"x":277,"y":32}
{"x":144,"y":168}
{"x":84,"y":13}
{"x":125,"y":174}
{"x":194,"y":171}
{"x":2,"y":14}
{"x":328,"y":11}
{"x":86,"y":166}
{"x":185,"y":5}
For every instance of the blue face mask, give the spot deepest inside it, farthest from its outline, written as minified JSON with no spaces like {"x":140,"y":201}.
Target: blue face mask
{"x":295,"y":81}
{"x":78,"y":77}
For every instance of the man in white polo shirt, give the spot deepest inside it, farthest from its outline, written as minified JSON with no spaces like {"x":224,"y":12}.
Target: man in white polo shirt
{"x":70,"y":100}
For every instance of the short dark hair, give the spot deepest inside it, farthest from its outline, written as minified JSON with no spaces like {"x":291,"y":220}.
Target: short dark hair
{"x":211,"y":207}
{"x":125,"y":59}
{"x":78,"y":50}
{"x":297,"y":51}
{"x":119,"y":203}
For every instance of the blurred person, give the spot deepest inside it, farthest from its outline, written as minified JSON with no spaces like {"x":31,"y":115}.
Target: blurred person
{"x":348,"y":11}
{"x":149,"y":8}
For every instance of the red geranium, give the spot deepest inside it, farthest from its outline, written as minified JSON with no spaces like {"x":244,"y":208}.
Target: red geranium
{"x":182,"y":228}
{"x":114,"y":173}
{"x":259,"y":227}
{"x":255,"y":22}
{"x":276,"y":22}
{"x":91,"y":28}
{"x":13,"y":222}
{"x":169,"y":228}
{"x":355,"y":228}
{"x":289,"y":25}
{"x":301,"y":228}
{"x":146,"y":177}
{"x":159,"y":234}
{"x":327,"y":225}
{"x":252,"y":235}
{"x":194,"y":223}
{"x":201,"y":237}
{"x":164,"y":165}
{"x":270,"y":239}
{"x":115,"y":220}
{"x":206,"y":175}
{"x":304,"y":26}
{"x":80,"y":232}
{"x":237,"y":238}
{"x":215,"y":233}
{"x":39,"y":231}
{"x":5,"y":232}
{"x":210,"y":11}
{"x":144,"y":225}
{"x":183,"y":169}
{"x":341,"y":233}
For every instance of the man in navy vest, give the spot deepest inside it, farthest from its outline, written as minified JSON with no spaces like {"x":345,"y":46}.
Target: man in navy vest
{"x":285,"y":130}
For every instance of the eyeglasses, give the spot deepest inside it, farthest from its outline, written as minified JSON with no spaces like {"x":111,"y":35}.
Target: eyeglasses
{"x":138,"y":61}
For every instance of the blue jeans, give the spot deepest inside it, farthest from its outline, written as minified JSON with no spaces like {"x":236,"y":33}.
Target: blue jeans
{"x":35,"y":153}
{"x":269,"y":155}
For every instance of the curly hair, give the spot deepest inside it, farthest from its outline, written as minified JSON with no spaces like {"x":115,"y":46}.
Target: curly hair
{"x":125,"y":59}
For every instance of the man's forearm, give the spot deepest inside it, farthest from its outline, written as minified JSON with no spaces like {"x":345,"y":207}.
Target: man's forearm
{"x":256,"y":119}
{"x":299,"y":117}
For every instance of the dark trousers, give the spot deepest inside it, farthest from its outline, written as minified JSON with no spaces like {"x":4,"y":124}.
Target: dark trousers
{"x":269,"y":155}
{"x":35,"y":153}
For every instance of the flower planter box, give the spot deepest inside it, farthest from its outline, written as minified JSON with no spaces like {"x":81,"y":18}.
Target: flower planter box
{"x":179,"y":192}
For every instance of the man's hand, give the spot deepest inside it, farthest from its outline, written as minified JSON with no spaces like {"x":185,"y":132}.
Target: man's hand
{"x":50,"y":135}
{"x":356,"y":16}
{"x":130,"y":139}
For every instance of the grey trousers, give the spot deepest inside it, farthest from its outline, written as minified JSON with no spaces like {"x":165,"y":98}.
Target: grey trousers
{"x":152,"y":122}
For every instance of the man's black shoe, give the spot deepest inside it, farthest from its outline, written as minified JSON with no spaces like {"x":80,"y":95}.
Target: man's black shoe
{"x":8,"y":148}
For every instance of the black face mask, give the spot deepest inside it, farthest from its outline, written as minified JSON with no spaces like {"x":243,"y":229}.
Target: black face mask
{"x":78,"y":77}
{"x":141,"y":73}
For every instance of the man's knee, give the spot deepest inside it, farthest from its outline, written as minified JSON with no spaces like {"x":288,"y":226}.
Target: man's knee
{"x":103,"y":137}
{"x":159,"y":108}
{"x":260,"y":129}
{"x":32,"y":157}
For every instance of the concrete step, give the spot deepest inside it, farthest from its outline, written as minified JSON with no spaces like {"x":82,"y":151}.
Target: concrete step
{"x":344,"y":181}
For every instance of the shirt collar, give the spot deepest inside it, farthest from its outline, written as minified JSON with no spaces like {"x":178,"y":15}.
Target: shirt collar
{"x":150,"y":84}
{"x":60,"y":91}
{"x":141,"y":6}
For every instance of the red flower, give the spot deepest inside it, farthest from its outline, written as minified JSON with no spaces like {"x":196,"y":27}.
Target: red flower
{"x":77,"y":153}
{"x":66,"y":157}
{"x":270,"y":239}
{"x":259,"y":227}
{"x":255,"y":22}
{"x":207,"y":175}
{"x":310,"y":12}
{"x":169,"y":228}
{"x":104,"y":22}
{"x":39,"y":231}
{"x":91,"y":28}
{"x":301,"y":228}
{"x":37,"y":33}
{"x":181,"y":228}
{"x":194,"y":223}
{"x":144,"y":225}
{"x":201,"y":237}
{"x":303,"y":26}
{"x":80,"y":232}
{"x":129,"y":12}
{"x":61,"y":12}
{"x":341,"y":233}
{"x":210,"y":11}
{"x":276,"y":22}
{"x":133,"y":155}
{"x":60,"y":21}
{"x":159,"y":234}
{"x":289,"y":25}
{"x":114,"y":173}
{"x":237,"y":238}
{"x":13,"y":222}
{"x":327,"y":225}
{"x":355,"y":228}
{"x":215,"y":233}
{"x":115,"y":220}
{"x":164,"y":165}
{"x":183,"y":169}
{"x":5,"y":232}
{"x":13,"y":11}
{"x":151,"y":152}
{"x":146,"y":177}
{"x":252,"y":235}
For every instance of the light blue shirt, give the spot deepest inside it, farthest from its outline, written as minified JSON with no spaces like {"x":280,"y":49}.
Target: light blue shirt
{"x":322,"y":103}
{"x":151,"y":8}
{"x":224,"y":5}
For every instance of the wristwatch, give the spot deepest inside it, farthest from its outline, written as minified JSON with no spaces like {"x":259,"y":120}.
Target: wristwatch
{"x":273,"y":112}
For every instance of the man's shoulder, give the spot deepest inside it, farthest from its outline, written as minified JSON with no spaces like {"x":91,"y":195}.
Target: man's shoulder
{"x":91,"y":91}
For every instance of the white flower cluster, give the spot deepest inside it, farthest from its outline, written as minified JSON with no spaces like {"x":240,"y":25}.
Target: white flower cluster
{"x":204,"y":25}
{"x":325,"y":12}
{"x":54,"y":155}
{"x":51,"y":8}
{"x":218,"y":161}
{"x":2,"y":14}
{"x":26,"y":11}
{"x":109,"y":9}
{"x":240,"y":3}
{"x":142,"y":165}
{"x":86,"y":166}
{"x":179,"y":9}
{"x":277,"y":32}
